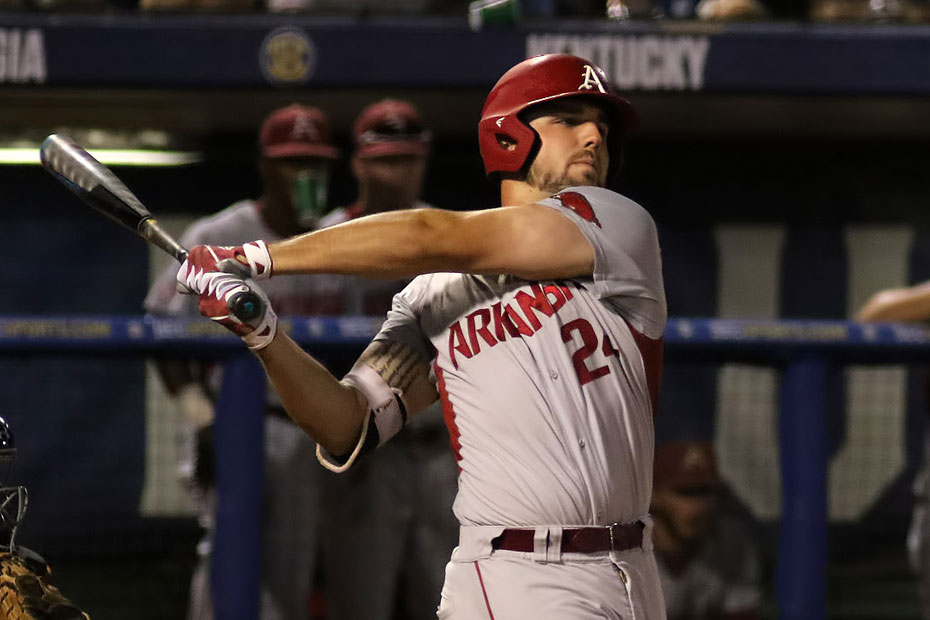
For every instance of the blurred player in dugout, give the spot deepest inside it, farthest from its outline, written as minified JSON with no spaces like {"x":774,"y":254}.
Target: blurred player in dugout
{"x":388,"y":522}
{"x":296,"y":154}
{"x":911,"y":304}
{"x":707,"y":560}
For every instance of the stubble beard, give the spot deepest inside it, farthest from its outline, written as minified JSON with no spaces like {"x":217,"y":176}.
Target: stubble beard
{"x":552,"y":182}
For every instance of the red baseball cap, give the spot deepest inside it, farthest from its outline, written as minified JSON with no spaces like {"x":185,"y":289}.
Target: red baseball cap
{"x":296,"y":131}
{"x":390,"y":127}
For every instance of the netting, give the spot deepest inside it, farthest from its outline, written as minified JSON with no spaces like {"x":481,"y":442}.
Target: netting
{"x":98,"y":447}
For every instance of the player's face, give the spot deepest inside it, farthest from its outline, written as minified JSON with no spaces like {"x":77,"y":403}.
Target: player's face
{"x":574,"y":147}
{"x":391,"y":181}
{"x":688,"y":510}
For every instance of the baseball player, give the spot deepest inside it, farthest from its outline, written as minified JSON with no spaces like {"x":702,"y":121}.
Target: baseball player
{"x":707,"y":561}
{"x":389,"y":164}
{"x":911,"y":304}
{"x":538,"y":325}
{"x":395,"y":507}
{"x":296,"y":152}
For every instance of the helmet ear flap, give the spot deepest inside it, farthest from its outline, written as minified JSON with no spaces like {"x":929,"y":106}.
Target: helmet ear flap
{"x":507,"y":144}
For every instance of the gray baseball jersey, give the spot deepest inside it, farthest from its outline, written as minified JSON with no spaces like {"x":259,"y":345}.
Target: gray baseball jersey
{"x":291,"y":496}
{"x":240,"y":223}
{"x":723,"y":580}
{"x":918,"y":534}
{"x":549,"y":388}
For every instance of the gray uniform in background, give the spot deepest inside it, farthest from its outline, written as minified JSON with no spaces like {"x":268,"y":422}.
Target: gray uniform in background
{"x":388,"y":522}
{"x":721,"y":582}
{"x":291,"y":500}
{"x":918,"y":535}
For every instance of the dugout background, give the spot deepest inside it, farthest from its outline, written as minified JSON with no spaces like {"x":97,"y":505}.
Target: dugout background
{"x":769,"y":204}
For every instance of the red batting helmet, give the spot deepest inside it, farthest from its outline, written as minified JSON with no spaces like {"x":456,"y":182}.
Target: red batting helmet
{"x":537,"y":80}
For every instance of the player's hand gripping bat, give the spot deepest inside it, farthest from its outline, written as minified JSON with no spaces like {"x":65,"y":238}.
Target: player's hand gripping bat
{"x":97,"y":186}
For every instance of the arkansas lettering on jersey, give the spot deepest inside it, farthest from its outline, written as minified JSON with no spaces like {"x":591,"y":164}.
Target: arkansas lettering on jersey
{"x":496,"y":323}
{"x":519,"y":318}
{"x":548,"y":386}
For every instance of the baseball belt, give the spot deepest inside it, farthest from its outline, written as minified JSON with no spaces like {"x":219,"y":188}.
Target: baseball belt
{"x":615,"y":537}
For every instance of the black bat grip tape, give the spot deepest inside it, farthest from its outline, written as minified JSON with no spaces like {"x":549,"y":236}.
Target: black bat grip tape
{"x":245,"y":306}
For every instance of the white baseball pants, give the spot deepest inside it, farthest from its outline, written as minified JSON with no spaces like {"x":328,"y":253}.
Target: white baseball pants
{"x":511,"y":585}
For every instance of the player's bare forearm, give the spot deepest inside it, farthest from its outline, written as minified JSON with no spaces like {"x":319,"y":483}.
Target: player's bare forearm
{"x":329,"y":411}
{"x":901,"y":304}
{"x":532,"y":242}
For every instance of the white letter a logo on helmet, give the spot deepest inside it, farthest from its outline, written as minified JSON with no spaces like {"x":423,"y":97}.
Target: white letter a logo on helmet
{"x":592,"y":80}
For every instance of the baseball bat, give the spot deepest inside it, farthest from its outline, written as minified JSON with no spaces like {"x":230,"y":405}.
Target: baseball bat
{"x":97,"y":186}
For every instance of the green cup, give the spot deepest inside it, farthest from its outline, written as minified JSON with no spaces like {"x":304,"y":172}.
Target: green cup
{"x":311,"y":194}
{"x":483,"y":13}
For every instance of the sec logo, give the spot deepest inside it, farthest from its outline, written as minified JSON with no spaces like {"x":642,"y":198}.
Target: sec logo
{"x":287,"y":56}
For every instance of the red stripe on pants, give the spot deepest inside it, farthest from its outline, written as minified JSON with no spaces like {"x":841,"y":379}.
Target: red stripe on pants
{"x":484,"y":592}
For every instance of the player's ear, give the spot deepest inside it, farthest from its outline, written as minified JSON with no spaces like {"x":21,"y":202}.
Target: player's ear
{"x":506,"y":142}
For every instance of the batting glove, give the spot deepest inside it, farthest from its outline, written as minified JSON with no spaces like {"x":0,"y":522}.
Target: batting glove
{"x":250,"y":261}
{"x":216,"y":290}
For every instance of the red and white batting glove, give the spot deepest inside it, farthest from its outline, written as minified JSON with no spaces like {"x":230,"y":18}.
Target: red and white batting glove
{"x":249,"y":261}
{"x":216,"y":289}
